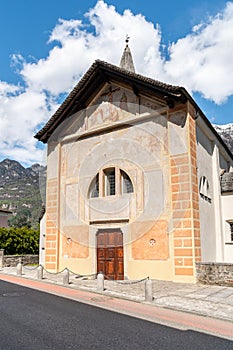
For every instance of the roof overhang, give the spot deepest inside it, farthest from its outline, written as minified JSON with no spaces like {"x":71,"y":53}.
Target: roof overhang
{"x":94,"y":79}
{"x":101,"y":73}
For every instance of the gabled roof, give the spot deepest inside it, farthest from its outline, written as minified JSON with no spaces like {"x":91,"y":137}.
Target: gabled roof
{"x":97,"y":75}
{"x":102,"y":72}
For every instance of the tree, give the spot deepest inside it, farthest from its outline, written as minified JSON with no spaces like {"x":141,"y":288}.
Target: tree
{"x":19,"y":240}
{"x":21,"y":219}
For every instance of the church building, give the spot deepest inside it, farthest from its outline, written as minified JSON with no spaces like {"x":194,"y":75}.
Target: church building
{"x":139,"y":183}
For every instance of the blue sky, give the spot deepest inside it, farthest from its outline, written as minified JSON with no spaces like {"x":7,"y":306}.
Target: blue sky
{"x":46,"y":46}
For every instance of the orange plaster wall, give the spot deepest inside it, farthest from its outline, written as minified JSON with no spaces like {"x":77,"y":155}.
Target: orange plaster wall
{"x":194,"y":180}
{"x":73,"y":249}
{"x":75,"y":242}
{"x":184,"y":189}
{"x":52,"y":233}
{"x":143,"y":250}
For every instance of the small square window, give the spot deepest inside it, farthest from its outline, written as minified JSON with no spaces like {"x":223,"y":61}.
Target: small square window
{"x":229,"y":230}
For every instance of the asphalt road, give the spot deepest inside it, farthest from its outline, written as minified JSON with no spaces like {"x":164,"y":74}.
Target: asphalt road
{"x":34,"y":320}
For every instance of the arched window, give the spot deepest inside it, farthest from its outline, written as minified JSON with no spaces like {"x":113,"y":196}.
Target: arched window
{"x":94,"y":187}
{"x":126,"y":184}
{"x":115,"y":182}
{"x":204,"y":189}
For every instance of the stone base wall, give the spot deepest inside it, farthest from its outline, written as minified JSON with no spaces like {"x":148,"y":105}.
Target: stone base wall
{"x":215,"y":273}
{"x":13,"y":260}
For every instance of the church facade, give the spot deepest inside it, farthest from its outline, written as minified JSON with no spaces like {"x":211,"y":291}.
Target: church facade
{"x":135,"y":180}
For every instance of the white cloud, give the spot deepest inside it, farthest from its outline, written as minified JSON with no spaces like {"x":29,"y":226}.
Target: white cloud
{"x":201,"y":61}
{"x":19,"y":116}
{"x":6,"y":89}
{"x":77,"y":48}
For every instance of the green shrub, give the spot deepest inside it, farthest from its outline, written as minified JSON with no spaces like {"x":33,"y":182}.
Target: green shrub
{"x":19,"y":241}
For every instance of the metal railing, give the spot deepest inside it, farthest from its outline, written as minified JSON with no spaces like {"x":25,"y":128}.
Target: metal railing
{"x":100,"y":282}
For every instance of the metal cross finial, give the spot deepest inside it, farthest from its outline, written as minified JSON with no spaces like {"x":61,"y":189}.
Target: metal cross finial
{"x":127,"y":39}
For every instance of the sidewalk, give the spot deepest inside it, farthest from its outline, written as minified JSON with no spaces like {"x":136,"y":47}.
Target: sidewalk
{"x":211,"y":301}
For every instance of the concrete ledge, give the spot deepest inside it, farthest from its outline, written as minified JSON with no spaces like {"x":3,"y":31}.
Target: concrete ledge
{"x":13,"y":260}
{"x":215,"y":273}
{"x":226,"y":181}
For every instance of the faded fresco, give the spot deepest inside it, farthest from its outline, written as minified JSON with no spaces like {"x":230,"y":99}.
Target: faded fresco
{"x":113,"y":105}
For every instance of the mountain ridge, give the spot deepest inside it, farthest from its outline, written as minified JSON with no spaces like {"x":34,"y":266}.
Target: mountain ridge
{"x":226,"y":133}
{"x":20,"y":189}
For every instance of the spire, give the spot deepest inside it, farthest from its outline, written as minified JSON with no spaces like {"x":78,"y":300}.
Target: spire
{"x":126,"y":59}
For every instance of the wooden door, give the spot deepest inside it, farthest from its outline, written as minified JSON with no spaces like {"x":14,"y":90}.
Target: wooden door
{"x":110,"y":253}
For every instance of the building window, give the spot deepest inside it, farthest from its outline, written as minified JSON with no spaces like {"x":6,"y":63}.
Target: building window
{"x":114,"y":181}
{"x":126,"y":184}
{"x":229,"y":231}
{"x":204,"y":189}
{"x":110,"y":182}
{"x":94,"y":188}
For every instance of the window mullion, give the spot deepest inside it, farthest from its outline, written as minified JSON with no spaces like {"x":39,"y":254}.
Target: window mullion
{"x":118,"y":181}
{"x":101,"y":183}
